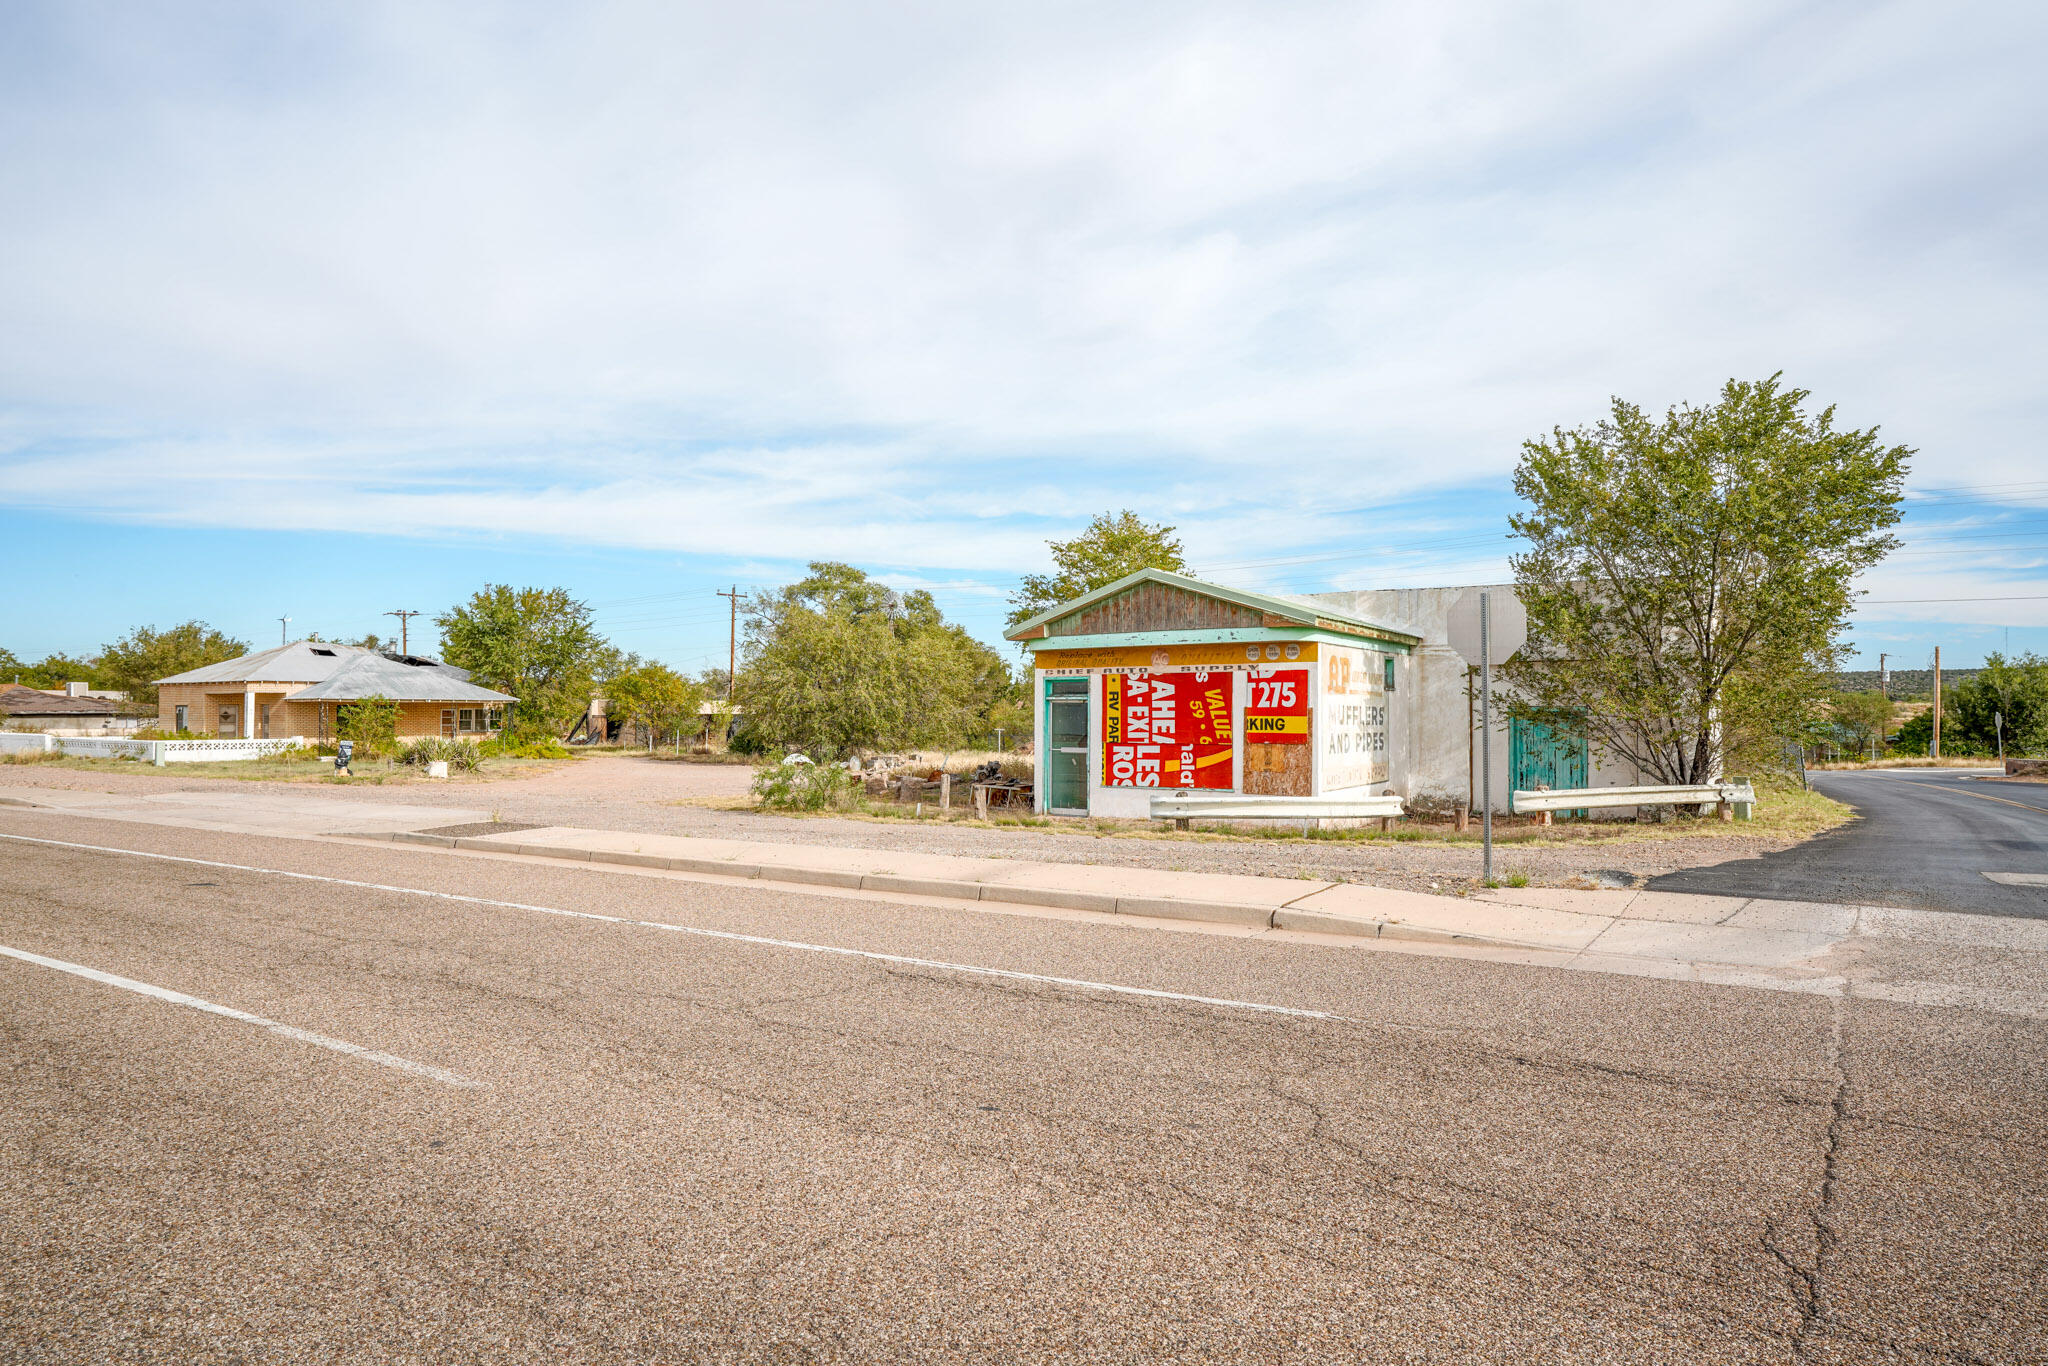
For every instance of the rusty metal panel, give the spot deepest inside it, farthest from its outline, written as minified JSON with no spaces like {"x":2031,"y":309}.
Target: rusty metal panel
{"x":1280,"y":770}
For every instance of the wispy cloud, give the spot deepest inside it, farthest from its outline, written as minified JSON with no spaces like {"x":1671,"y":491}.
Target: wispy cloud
{"x":918,"y":286}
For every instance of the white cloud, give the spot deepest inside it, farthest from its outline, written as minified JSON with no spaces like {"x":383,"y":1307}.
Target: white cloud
{"x":808,"y":280}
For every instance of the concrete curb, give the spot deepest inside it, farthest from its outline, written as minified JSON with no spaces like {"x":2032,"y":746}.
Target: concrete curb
{"x":1245,"y":914}
{"x":1165,"y":908}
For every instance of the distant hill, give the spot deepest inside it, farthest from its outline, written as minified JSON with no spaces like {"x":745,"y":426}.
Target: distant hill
{"x":1906,"y":683}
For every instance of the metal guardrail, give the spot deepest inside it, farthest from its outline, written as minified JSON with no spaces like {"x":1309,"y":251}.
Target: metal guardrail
{"x":1735,"y":798}
{"x":1236,"y":806}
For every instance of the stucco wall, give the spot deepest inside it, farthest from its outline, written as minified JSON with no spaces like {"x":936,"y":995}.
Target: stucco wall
{"x":1436,"y":726}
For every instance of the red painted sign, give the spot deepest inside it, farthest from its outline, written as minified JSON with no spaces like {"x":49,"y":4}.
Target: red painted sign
{"x":1168,"y":730}
{"x":1276,"y":708}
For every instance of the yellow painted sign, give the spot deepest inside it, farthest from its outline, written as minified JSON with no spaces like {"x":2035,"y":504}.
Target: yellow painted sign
{"x":1249,"y":655}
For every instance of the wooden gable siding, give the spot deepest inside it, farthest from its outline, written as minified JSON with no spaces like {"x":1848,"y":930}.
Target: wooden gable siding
{"x":1155,"y":607}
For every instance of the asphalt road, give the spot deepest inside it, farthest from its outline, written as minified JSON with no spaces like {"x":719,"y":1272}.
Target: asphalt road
{"x":1924,"y":838}
{"x":581,"y":1139}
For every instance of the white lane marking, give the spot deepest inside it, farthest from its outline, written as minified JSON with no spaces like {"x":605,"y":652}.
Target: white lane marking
{"x":939,"y":965}
{"x":418,"y":1069}
{"x":2020,"y":879}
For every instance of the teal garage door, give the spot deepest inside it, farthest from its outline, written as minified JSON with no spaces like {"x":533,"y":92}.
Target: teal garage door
{"x":1546,"y":756}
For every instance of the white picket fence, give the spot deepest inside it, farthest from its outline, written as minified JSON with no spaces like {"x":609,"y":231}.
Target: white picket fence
{"x":158,"y":752}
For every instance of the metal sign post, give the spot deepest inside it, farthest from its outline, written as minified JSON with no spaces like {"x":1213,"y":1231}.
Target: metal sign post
{"x":1483,"y":624}
{"x":1486,"y":738}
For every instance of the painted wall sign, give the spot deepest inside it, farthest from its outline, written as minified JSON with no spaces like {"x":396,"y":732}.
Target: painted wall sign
{"x":1354,"y":724}
{"x":1168,"y":730}
{"x":1240,"y":658}
{"x":1276,"y":708}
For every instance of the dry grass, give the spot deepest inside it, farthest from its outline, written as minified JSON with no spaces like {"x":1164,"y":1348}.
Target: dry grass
{"x":1951,"y":762}
{"x":1784,"y":811}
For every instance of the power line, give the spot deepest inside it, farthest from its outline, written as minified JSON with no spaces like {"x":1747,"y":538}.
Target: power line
{"x":404,"y":620}
{"x":2016,"y":597}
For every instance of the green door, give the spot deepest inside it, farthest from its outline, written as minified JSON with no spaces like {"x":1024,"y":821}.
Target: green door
{"x":1546,"y":756}
{"x":1066,"y":745}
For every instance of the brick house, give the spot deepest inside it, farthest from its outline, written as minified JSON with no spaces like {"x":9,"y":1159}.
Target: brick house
{"x":301,"y":688}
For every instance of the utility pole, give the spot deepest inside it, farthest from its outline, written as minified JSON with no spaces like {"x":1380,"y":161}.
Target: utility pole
{"x":1884,"y":676}
{"x":1937,"y":703}
{"x":404,"y":620}
{"x":732,"y":649}
{"x":282,"y":624}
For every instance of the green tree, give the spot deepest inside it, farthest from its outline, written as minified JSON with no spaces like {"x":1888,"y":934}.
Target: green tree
{"x":1688,"y":579}
{"x":537,"y":644}
{"x":56,"y":670}
{"x":840,"y":662}
{"x":372,"y":722}
{"x":145,"y":654}
{"x":656,"y":698}
{"x":9,"y":665}
{"x":1115,"y":544}
{"x":1861,"y":720}
{"x":2014,"y":690}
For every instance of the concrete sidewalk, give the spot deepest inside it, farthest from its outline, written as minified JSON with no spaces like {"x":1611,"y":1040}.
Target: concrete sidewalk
{"x":1734,"y":932}
{"x":1780,"y":945}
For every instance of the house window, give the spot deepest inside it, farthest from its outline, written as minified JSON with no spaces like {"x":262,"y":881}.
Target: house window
{"x":447,"y":723}
{"x":183,"y":715}
{"x":472,"y":720}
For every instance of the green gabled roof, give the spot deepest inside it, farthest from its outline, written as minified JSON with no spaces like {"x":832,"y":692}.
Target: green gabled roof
{"x":1302,"y":612}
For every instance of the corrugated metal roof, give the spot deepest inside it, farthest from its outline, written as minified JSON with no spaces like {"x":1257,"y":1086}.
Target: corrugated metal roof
{"x":372,"y":675}
{"x":1304,"y":611}
{"x":302,"y":661}
{"x":16,"y":700}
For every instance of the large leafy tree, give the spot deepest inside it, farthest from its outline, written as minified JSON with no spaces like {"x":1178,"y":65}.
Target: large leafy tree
{"x":537,"y":644}
{"x":2008,"y":695}
{"x":145,"y":654}
{"x":839,"y":662}
{"x":1860,"y":721}
{"x":1115,"y":544}
{"x":656,"y":698}
{"x":54,"y":671}
{"x":1688,"y":577}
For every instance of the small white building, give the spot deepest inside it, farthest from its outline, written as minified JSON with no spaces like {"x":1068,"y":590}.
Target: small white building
{"x":1161,"y":682}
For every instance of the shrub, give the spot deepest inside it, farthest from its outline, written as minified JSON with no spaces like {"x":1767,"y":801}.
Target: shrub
{"x":796,"y":784}
{"x":372,"y":723}
{"x":461,"y":755}
{"x":515,"y":747}
{"x":423,"y":751}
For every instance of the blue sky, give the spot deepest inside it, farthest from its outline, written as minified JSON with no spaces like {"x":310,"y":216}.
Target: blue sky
{"x":326,"y":310}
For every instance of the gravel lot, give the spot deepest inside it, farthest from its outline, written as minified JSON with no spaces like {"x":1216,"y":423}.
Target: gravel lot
{"x":624,"y":793}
